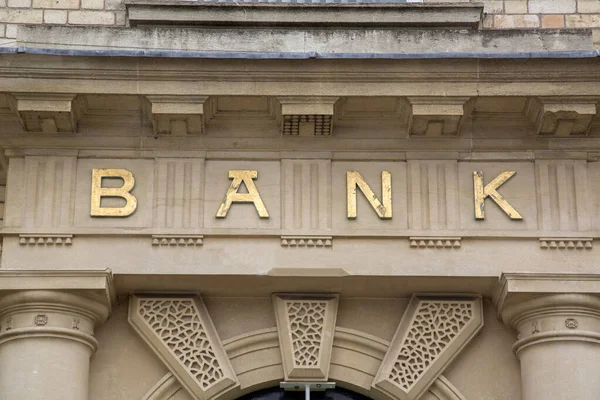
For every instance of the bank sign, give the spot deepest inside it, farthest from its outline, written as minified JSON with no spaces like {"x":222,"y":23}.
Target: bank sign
{"x":244,"y":189}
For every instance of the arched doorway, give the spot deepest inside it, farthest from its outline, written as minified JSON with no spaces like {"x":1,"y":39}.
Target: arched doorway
{"x":276,"y":393}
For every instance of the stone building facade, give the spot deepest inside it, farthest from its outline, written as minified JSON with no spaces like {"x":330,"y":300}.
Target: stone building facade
{"x":207,"y":200}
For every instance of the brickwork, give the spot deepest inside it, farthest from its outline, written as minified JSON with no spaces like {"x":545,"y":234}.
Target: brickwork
{"x":499,"y":14}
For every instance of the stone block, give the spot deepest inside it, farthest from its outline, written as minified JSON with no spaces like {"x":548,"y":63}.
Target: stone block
{"x":583,"y":21}
{"x":58,"y":17}
{"x":21,"y":16}
{"x":493,"y":6}
{"x":553,"y":21}
{"x":515,"y":7}
{"x":552,"y":6}
{"x":62,"y":4}
{"x":91,"y":18}
{"x":19,"y":3}
{"x":588,"y":6}
{"x":11,"y":31}
{"x":516,"y":21}
{"x":92,"y":4}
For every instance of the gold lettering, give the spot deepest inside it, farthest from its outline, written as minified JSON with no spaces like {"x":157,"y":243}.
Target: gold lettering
{"x":232,"y":195}
{"x":98,"y":192}
{"x":481,"y":193}
{"x":354,"y":179}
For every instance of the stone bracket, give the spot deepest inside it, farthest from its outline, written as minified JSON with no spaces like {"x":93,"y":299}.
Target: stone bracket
{"x":307,"y":116}
{"x":435,"y":116}
{"x":177,"y":115}
{"x":180,"y":331}
{"x":306,"y":325}
{"x":431,"y":333}
{"x":47,"y":113}
{"x":561,"y":117}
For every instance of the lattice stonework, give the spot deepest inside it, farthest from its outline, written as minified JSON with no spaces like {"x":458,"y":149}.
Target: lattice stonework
{"x":180,"y":330}
{"x":432,"y":332}
{"x":306,"y":326}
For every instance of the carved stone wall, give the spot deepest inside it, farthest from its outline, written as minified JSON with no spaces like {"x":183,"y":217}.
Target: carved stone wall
{"x":306,"y":325}
{"x":180,"y":330}
{"x":431,"y":333}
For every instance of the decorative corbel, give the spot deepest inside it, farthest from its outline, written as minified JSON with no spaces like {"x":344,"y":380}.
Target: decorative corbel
{"x":307,"y":116}
{"x":435,"y":116}
{"x":561,"y":117}
{"x":431,"y":333}
{"x":177,"y":115}
{"x":46,"y":112}
{"x":306,"y":325}
{"x":179,"y":329}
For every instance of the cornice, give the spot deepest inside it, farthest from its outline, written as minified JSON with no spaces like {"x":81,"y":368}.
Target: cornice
{"x":87,"y":282}
{"x":517,"y":286}
{"x":335,"y":71}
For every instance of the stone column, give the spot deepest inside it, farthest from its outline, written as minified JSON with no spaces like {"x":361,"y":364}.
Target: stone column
{"x":47,"y":321}
{"x":558,"y":343}
{"x":46,"y":340}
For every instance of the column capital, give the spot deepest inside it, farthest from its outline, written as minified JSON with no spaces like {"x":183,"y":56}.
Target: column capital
{"x":62,"y":304}
{"x":549,"y":307}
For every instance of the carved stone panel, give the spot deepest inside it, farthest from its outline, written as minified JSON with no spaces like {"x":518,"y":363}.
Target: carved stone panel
{"x":45,"y":198}
{"x":178,"y":197}
{"x":306,"y":325}
{"x":306,"y":191}
{"x":562,"y":192}
{"x":433,"y":194}
{"x":180,"y":331}
{"x":431,"y":333}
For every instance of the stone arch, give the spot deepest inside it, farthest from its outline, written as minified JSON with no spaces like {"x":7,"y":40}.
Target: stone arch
{"x":256,"y":360}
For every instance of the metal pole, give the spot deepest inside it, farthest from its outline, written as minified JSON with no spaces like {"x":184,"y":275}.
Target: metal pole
{"x":306,"y":392}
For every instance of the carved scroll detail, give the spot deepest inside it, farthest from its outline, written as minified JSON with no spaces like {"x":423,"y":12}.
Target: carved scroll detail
{"x":180,"y":330}
{"x":306,"y":327}
{"x":432,"y":331}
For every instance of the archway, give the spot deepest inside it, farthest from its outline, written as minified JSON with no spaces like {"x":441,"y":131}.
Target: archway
{"x":276,"y":393}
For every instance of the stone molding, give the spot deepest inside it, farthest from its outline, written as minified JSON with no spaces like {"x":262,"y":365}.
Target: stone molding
{"x":444,"y":390}
{"x":417,"y":356}
{"x":566,"y":243}
{"x":305,"y":323}
{"x":514,"y":287}
{"x":306,"y":241}
{"x":435,"y":242}
{"x":144,"y":12}
{"x":164,"y":389}
{"x":180,"y":331}
{"x":47,"y":240}
{"x":177,"y":240}
{"x":96,"y":284}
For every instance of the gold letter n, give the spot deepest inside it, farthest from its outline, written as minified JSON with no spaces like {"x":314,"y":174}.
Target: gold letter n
{"x":355,"y":179}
